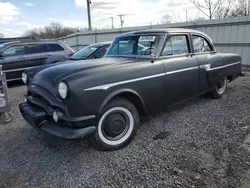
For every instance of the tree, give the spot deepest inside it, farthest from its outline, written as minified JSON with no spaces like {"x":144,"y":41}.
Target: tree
{"x":54,"y":30}
{"x":1,"y":35}
{"x":240,"y":9}
{"x":167,"y":18}
{"x":214,"y":8}
{"x":56,"y":27}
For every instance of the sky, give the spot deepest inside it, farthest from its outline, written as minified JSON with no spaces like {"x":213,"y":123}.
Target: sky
{"x":18,"y":16}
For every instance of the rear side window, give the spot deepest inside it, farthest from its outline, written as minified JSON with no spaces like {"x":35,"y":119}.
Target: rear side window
{"x":14,"y":51}
{"x":200,"y":44}
{"x":176,"y":45}
{"x":37,"y":48}
{"x":55,"y":47}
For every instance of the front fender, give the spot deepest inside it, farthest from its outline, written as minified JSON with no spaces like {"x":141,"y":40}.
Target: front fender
{"x":122,"y":93}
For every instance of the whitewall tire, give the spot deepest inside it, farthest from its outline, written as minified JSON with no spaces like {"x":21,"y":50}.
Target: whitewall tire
{"x":117,"y":126}
{"x":219,"y":89}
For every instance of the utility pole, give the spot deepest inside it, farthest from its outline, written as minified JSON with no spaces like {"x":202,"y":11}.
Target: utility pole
{"x":112,"y":22}
{"x":121,"y":19}
{"x":89,"y":16}
{"x":186,"y":17}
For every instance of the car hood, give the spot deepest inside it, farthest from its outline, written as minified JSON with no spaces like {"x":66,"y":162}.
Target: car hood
{"x":51,"y":76}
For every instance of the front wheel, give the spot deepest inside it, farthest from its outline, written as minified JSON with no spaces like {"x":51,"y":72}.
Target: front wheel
{"x":220,"y":88}
{"x":117,"y":126}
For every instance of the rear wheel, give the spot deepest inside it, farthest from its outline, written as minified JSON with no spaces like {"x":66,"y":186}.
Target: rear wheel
{"x":117,"y":126}
{"x":220,"y":88}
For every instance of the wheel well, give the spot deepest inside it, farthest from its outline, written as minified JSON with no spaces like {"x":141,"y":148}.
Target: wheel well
{"x":230,"y":78}
{"x":135,"y":100}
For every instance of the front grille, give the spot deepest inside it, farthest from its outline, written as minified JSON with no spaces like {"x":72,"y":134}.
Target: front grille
{"x":42,"y":98}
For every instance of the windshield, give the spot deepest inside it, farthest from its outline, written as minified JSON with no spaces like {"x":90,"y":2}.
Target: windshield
{"x":85,"y":52}
{"x":136,"y":45}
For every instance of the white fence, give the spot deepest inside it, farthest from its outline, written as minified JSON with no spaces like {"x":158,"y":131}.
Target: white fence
{"x":229,"y":35}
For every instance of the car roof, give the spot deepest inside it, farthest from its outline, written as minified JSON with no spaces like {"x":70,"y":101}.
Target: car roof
{"x":103,"y":43}
{"x":166,"y":30}
{"x":33,"y":40}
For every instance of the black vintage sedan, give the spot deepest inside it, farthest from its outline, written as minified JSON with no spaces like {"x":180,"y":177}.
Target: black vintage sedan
{"x":142,"y":72}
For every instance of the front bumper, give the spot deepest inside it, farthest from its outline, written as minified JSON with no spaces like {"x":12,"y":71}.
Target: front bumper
{"x":39,"y":119}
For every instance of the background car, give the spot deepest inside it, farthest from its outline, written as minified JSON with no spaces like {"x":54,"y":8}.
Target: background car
{"x":17,"y":56}
{"x":93,"y":51}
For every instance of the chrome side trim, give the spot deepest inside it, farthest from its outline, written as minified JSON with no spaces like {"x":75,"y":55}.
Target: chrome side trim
{"x":207,"y":67}
{"x":14,"y":79}
{"x":107,"y":86}
{"x":182,"y":70}
{"x":13,"y":70}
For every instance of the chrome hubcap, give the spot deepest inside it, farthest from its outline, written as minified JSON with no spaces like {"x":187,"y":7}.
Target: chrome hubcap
{"x":115,"y":126}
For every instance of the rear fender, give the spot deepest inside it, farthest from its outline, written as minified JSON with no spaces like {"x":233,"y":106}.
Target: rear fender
{"x":223,"y":65}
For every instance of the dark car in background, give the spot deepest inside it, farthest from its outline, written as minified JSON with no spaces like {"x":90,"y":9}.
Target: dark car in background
{"x":93,"y":51}
{"x":17,"y":56}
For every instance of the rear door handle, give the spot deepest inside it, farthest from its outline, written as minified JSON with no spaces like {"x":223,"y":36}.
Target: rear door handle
{"x":21,"y":58}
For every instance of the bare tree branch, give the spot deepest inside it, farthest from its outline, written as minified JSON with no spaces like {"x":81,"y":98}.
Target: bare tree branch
{"x":214,"y":8}
{"x":55,"y":30}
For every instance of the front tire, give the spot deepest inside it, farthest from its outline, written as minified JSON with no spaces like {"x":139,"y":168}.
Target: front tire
{"x":219,"y":89}
{"x":117,"y":126}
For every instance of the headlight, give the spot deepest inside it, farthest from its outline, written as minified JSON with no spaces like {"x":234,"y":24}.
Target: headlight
{"x":55,"y":116}
{"x":63,"y":90}
{"x":24,"y":78}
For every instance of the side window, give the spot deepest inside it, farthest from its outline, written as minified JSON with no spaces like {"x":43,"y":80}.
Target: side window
{"x":37,"y":48}
{"x":55,"y":47}
{"x":14,"y":51}
{"x":200,"y":44}
{"x":176,"y":45}
{"x":168,"y":49}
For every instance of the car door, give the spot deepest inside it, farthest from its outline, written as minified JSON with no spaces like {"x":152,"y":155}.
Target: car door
{"x":202,"y":51}
{"x":13,"y":61}
{"x":182,"y":71}
{"x":36,"y":54}
{"x":57,"y":53}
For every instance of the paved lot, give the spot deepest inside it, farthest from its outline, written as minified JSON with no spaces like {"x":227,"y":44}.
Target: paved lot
{"x":201,"y":143}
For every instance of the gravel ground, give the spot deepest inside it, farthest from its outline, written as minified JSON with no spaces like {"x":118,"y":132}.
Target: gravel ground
{"x":200,"y":143}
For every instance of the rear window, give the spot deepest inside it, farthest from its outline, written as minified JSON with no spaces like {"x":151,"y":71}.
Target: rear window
{"x":55,"y":47}
{"x":37,"y":48}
